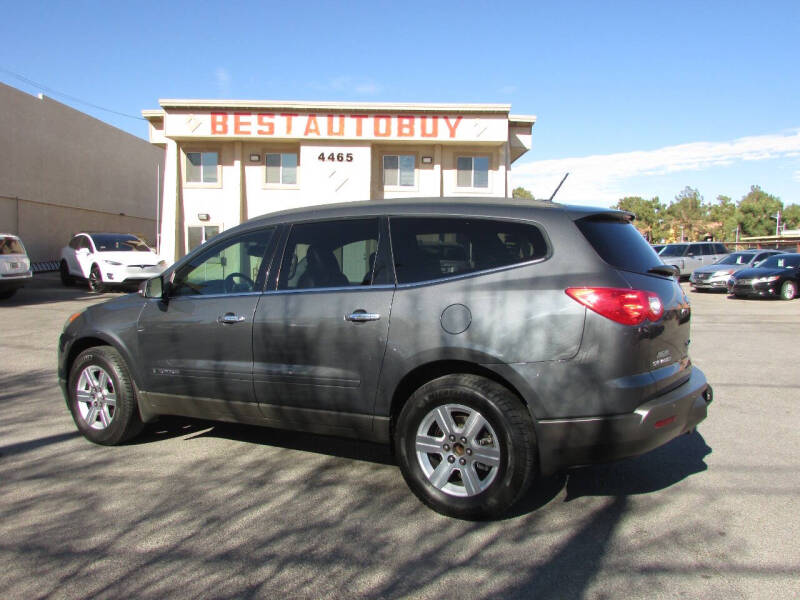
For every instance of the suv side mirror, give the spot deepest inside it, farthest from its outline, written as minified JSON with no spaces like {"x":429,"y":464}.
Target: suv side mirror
{"x":152,"y":288}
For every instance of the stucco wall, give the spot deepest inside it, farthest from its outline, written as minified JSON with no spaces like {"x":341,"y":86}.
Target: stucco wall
{"x":71,"y":172}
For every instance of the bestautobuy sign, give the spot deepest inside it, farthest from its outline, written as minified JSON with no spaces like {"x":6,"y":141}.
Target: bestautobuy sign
{"x":276,"y":125}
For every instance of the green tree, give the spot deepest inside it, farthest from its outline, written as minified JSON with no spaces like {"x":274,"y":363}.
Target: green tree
{"x":649,"y":216}
{"x":791,"y":216}
{"x":723,"y":218}
{"x":756,"y":210}
{"x":521,"y":192}
{"x":688,"y":214}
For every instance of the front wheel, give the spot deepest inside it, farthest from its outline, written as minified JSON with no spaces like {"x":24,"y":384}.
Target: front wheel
{"x":101,"y":397}
{"x":466,"y":446}
{"x":96,"y":280}
{"x":788,"y":290}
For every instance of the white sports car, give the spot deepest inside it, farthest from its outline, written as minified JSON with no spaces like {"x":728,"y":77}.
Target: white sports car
{"x":104,"y":259}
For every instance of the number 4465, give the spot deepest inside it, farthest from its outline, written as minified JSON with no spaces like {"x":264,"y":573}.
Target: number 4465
{"x":339,"y":157}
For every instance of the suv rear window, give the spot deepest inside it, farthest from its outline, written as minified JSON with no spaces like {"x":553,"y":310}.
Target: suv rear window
{"x":431,"y":248}
{"x":619,"y":243}
{"x":10,"y":245}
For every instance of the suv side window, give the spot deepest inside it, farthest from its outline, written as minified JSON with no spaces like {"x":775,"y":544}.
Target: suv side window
{"x":75,"y":242}
{"x":708,"y":249}
{"x":235,"y":266}
{"x":331,"y":254}
{"x":431,"y":248}
{"x":720,"y":249}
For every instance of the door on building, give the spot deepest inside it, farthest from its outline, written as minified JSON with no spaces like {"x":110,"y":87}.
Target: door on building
{"x":319,"y":337}
{"x":197,"y":344}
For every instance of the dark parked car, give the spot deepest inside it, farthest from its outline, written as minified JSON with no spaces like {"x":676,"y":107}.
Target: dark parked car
{"x":556,"y":338}
{"x":715,"y":277}
{"x":776,"y":277}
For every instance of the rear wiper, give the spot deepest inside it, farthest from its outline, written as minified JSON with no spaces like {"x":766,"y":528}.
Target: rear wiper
{"x":665,"y":270}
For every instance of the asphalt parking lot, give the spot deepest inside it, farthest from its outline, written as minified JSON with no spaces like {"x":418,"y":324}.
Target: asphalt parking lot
{"x":196,"y":510}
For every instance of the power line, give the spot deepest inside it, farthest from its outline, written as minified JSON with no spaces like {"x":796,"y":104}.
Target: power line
{"x":67,"y":96}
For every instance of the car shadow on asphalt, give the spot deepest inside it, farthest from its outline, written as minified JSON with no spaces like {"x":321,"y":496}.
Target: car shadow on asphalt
{"x":656,"y":470}
{"x":361,"y":450}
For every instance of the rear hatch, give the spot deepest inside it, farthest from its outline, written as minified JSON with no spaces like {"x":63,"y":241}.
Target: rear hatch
{"x":662,"y":346}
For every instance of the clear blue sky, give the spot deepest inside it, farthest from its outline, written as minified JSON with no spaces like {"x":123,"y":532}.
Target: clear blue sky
{"x":632,"y":98}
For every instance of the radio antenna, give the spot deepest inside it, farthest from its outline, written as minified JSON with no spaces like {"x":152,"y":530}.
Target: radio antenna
{"x":559,"y":187}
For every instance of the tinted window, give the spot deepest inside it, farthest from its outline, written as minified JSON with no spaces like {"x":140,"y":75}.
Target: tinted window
{"x":620,"y":244}
{"x":673,"y":250}
{"x":720,"y":249}
{"x":10,"y":245}
{"x":738,"y":258}
{"x":781,"y":261}
{"x":105,"y":242}
{"x":329,"y":254}
{"x":708,"y":249}
{"x":75,"y":243}
{"x":431,"y":248}
{"x":233,"y":267}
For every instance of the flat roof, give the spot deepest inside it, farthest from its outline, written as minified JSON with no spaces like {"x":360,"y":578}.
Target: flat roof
{"x":311,"y":106}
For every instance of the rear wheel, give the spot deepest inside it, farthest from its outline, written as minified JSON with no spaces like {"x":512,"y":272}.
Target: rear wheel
{"x":788,"y":290}
{"x":66,"y":278}
{"x":5,"y":294}
{"x":101,"y":397}
{"x":96,"y":280}
{"x":466,"y":446}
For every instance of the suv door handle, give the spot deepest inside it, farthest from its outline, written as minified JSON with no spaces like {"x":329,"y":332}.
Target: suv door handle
{"x":229,"y":319}
{"x":360,"y":316}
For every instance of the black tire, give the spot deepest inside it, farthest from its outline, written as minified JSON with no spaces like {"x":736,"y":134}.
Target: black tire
{"x":66,"y":279}
{"x":505,"y":417}
{"x":788,"y":290}
{"x":96,"y":280}
{"x":114,"y":425}
{"x":6,"y":294}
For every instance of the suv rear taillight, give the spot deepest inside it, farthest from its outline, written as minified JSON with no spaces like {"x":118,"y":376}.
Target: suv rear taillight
{"x":626,"y":306}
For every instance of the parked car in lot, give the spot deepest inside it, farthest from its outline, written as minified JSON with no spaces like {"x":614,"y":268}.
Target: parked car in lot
{"x":777,"y":277}
{"x":105,"y":259}
{"x":715,"y":277}
{"x":556,"y":338}
{"x":15,"y":266}
{"x":689,"y":256}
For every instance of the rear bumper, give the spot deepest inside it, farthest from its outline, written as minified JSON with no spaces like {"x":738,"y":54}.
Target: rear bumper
{"x":572,"y":442}
{"x":16,"y":281}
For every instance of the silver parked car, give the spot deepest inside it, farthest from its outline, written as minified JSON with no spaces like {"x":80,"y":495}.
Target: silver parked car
{"x":715,"y":277}
{"x":688,"y":256}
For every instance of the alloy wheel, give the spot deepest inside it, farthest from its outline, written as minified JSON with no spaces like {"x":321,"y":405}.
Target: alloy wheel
{"x":96,"y":397}
{"x":458,"y":450}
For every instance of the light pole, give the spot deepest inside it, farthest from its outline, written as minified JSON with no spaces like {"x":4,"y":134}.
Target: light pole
{"x":777,"y":218}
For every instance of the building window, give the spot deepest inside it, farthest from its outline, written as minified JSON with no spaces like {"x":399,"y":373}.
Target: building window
{"x":473,"y":172}
{"x":398,"y":170}
{"x":201,"y":234}
{"x":202,"y":167}
{"x":282,"y":168}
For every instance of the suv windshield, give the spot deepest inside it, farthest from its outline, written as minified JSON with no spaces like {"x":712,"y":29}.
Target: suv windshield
{"x":115,"y":242}
{"x":10,"y":245}
{"x":673,"y":250}
{"x":619,"y":243}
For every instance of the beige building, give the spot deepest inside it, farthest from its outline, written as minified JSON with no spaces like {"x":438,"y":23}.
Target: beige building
{"x":63,"y":171}
{"x":229,"y":160}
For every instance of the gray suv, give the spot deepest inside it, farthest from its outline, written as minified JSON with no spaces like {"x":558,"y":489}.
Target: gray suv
{"x":556,"y":338}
